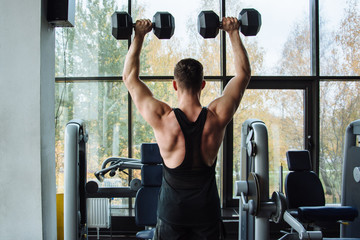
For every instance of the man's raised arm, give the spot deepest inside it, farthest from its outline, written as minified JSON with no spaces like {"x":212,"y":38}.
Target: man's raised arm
{"x":226,"y":105}
{"x":150,"y":108}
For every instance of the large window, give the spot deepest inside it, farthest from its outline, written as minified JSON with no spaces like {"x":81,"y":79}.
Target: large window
{"x":339,"y":106}
{"x":103,"y":105}
{"x":339,"y":38}
{"x":305,"y":84}
{"x":282,"y":47}
{"x":282,"y":111}
{"x":162,"y":55}
{"x":89,"y":49}
{"x":339,"y":96}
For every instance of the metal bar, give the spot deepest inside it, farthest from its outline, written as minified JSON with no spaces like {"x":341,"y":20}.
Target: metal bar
{"x":119,"y":78}
{"x":313,"y":96}
{"x":340,"y":78}
{"x":212,"y":78}
{"x":130,"y":138}
{"x":222,"y":41}
{"x":314,"y":123}
{"x":262,"y":225}
{"x":112,"y":192}
{"x":227,"y":163}
{"x":314,"y":38}
{"x":307,"y":117}
{"x":129,"y":100}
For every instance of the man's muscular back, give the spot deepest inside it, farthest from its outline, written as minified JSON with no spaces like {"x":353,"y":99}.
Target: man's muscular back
{"x":172,"y":143}
{"x":160,"y":115}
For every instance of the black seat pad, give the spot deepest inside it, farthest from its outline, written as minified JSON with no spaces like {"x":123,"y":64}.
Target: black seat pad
{"x":326,"y":214}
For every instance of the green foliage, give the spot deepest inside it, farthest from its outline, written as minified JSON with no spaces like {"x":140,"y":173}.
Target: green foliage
{"x":90,"y":50}
{"x":339,"y":101}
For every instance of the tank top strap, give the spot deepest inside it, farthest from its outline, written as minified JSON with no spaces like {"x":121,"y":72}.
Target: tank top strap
{"x":188,"y":127}
{"x":188,"y":193}
{"x":192,"y":133}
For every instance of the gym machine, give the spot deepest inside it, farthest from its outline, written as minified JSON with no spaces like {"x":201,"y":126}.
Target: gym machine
{"x":350,"y":195}
{"x":76,"y":188}
{"x":255,"y":207}
{"x":75,"y":180}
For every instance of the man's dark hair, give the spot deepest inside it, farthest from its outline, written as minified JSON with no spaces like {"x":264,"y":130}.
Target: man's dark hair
{"x":189,"y":74}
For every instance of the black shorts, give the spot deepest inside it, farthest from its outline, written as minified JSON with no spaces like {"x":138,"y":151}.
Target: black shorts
{"x":165,"y":231}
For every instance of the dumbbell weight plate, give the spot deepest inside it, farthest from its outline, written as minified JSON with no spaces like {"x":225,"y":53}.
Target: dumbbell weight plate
{"x":279,"y":200}
{"x":250,"y":21}
{"x":208,"y":24}
{"x":122,"y":25}
{"x":254,"y":193}
{"x":91,"y":187}
{"x":135,"y":184}
{"x":164,"y":25}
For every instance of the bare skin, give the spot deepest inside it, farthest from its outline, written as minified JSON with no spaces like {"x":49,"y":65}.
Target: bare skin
{"x":160,"y":115}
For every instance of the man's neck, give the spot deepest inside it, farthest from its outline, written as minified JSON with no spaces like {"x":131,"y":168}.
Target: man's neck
{"x":190,"y":105}
{"x":188,"y":99}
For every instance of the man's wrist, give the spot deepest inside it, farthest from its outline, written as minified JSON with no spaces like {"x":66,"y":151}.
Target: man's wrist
{"x":234,"y":33}
{"x":138,"y":39}
{"x":139,"y":36}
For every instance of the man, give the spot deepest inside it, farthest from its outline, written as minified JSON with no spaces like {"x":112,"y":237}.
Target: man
{"x":189,"y":137}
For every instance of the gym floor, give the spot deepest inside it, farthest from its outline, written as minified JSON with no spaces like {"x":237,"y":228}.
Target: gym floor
{"x":124,"y":227}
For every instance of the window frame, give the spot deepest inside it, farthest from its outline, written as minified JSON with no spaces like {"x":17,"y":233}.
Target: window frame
{"x":310,"y":85}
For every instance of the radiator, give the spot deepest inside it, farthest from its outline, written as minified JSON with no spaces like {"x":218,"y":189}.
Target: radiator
{"x":98,"y":213}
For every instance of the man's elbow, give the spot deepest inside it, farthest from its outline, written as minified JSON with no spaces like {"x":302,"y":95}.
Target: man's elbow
{"x":247,"y":73}
{"x":125,"y":77}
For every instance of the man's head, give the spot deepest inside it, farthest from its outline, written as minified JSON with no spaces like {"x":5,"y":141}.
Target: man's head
{"x":188,"y":74}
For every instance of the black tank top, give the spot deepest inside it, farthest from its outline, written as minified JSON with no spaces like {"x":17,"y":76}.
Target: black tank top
{"x":188,"y":194}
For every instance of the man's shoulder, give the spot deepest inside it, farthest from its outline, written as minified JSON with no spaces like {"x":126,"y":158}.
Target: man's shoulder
{"x":212,"y":117}
{"x":168,"y":119}
{"x":217,"y":114}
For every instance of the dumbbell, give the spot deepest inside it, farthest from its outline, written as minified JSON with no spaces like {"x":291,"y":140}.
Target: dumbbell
{"x":209,"y":23}
{"x":122,"y":25}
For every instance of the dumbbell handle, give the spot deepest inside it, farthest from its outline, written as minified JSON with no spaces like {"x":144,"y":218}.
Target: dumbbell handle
{"x":221,"y":23}
{"x":152,"y":24}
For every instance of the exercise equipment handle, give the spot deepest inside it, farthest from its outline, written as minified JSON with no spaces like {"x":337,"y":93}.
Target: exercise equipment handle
{"x":247,"y":206}
{"x":119,"y":163}
{"x":298,"y":227}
